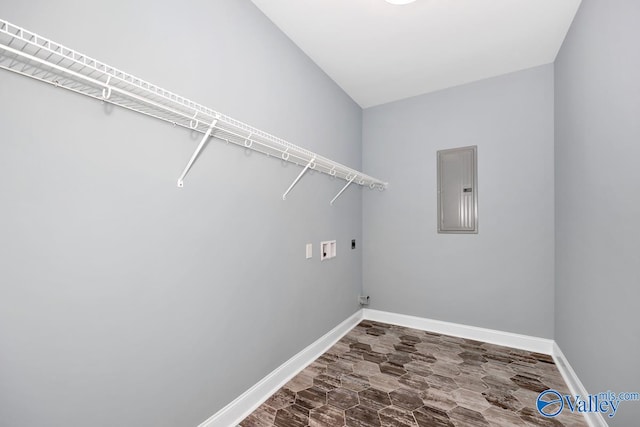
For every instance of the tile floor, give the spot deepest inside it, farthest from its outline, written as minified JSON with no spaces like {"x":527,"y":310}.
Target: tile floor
{"x":387,"y":375}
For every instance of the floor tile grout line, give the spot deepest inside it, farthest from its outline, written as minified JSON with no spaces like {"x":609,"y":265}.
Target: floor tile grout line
{"x":533,"y":357}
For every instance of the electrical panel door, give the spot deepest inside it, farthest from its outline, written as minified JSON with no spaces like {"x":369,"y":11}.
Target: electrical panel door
{"x":458,"y":190}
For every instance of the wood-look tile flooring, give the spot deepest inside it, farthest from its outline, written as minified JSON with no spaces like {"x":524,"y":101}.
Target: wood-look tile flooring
{"x":387,"y":375}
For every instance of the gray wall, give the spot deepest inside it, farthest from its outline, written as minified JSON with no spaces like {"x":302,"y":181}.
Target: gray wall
{"x":125,"y":301}
{"x":597,"y":199}
{"x":501,"y":278}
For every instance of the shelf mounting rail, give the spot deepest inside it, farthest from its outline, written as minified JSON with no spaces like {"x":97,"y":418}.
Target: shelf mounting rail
{"x":28,"y":54}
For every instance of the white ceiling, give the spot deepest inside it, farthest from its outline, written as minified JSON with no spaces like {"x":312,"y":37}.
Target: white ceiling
{"x":380,"y":53}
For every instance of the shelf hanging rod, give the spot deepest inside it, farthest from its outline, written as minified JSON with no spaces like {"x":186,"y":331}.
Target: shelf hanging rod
{"x":343,"y":188}
{"x":196,"y":153}
{"x":107,"y":88}
{"x":311,"y":162}
{"x":31,"y":55}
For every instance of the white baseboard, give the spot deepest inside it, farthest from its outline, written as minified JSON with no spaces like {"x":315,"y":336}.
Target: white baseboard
{"x":575,"y":385}
{"x":246,"y":403}
{"x":507,"y":339}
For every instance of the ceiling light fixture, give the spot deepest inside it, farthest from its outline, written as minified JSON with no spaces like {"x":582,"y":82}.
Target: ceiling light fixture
{"x":400,"y":2}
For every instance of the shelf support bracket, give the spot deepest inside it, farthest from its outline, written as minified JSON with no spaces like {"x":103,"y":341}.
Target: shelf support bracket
{"x":343,"y":188}
{"x":196,"y":153}
{"x":311,"y":162}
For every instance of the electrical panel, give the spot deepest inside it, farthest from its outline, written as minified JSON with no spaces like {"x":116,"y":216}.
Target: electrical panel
{"x":458,"y":190}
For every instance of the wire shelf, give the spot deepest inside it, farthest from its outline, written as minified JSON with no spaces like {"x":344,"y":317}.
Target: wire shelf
{"x":31,"y":55}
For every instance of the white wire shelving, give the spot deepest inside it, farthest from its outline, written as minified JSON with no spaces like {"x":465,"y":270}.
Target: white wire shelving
{"x":31,"y":55}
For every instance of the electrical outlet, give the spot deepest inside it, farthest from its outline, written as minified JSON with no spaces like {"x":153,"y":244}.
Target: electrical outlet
{"x":353,"y":243}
